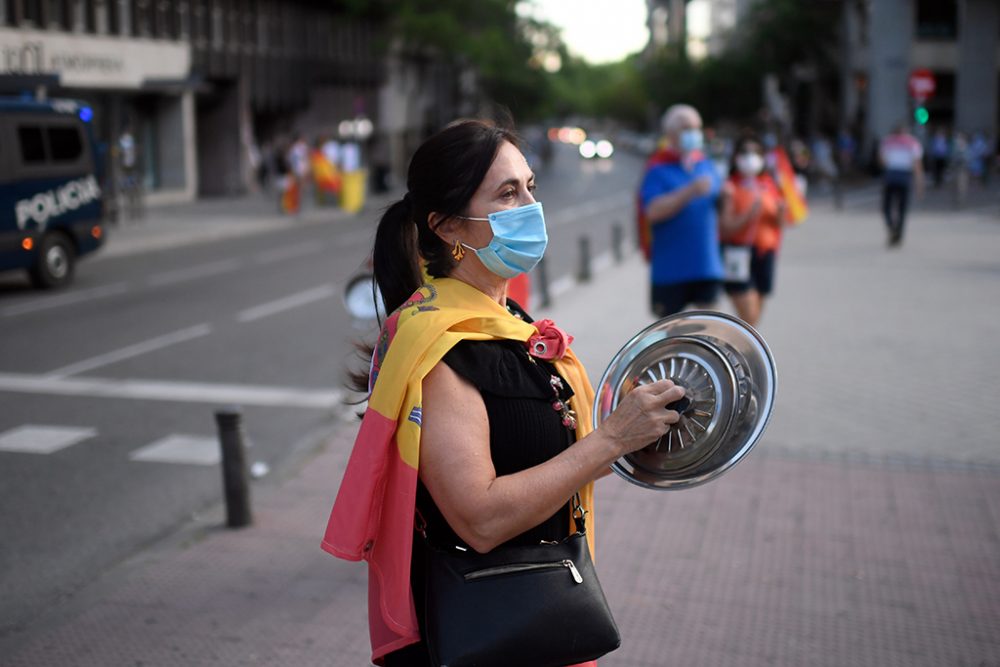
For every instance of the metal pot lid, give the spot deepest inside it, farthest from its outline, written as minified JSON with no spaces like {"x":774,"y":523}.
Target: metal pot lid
{"x":360,"y":295}
{"x":729,"y":378}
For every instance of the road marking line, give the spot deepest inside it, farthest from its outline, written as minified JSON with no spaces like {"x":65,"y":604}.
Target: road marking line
{"x":287,"y":303}
{"x":151,"y":345}
{"x":193,"y":272}
{"x":168,"y":390}
{"x":175,"y":448}
{"x":77,"y":296}
{"x":39,"y":439}
{"x":287,"y":252}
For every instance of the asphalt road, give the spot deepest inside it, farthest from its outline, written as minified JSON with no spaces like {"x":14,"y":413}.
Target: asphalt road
{"x":108,"y":389}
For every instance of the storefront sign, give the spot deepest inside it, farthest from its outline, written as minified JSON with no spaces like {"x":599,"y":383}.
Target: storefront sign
{"x":92,"y":62}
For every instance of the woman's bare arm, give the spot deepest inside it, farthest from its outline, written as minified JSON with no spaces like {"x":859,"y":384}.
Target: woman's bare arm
{"x":486,"y":510}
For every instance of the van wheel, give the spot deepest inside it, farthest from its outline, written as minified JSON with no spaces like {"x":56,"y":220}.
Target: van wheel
{"x":56,"y":261}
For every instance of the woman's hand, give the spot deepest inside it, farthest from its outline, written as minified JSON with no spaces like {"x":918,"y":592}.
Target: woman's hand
{"x":642,"y":416}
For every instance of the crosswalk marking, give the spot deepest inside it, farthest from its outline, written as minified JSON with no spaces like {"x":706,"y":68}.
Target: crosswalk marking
{"x":177,"y":448}
{"x":43,"y":439}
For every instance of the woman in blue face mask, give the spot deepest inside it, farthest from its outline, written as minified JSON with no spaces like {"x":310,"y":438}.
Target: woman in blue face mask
{"x":478,"y":417}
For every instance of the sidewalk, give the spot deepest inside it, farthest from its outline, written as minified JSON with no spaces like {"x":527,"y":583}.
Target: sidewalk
{"x":863,"y":530}
{"x":212,"y":219}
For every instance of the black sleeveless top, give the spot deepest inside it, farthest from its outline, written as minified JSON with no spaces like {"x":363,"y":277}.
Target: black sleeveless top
{"x":525,"y":430}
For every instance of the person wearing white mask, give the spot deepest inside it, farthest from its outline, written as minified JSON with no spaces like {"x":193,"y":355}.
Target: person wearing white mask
{"x":750,"y":230}
{"x":677,"y":200}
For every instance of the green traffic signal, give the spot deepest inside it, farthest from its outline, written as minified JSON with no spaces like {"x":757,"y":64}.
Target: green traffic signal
{"x":921,"y":115}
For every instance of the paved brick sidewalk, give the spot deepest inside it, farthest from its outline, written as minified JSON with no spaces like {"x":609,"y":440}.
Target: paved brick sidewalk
{"x":864,"y":529}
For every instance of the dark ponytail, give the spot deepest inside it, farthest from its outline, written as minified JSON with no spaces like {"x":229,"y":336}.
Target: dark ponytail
{"x":394,"y":258}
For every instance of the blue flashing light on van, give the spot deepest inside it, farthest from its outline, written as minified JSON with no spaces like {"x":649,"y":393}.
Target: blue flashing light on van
{"x":51,"y":205}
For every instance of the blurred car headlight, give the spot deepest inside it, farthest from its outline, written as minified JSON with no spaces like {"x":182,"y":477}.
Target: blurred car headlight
{"x":604,"y":148}
{"x":588,"y":149}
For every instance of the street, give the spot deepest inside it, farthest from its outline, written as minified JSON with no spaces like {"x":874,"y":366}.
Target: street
{"x":862,"y":530}
{"x":107,"y":436}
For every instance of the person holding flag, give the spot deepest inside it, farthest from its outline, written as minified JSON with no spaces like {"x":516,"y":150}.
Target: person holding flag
{"x":326,"y":176}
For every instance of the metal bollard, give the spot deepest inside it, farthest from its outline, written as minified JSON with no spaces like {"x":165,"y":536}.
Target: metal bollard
{"x":583,"y":275}
{"x":235,"y":482}
{"x":616,"y":241}
{"x":545,"y":299}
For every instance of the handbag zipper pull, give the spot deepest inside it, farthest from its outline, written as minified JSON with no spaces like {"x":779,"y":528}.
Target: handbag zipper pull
{"x":572,"y":570}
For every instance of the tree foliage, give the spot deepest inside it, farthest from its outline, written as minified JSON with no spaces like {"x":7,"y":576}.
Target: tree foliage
{"x":775,"y":37}
{"x":486,"y":35}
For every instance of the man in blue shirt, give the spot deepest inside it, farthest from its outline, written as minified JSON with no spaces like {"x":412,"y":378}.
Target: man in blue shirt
{"x":678,"y":198}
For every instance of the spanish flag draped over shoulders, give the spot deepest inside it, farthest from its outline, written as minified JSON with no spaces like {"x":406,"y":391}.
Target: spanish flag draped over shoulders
{"x":372,"y":517}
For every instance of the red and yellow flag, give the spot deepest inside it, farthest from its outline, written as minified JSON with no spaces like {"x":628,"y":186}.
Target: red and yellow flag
{"x":798,"y":210}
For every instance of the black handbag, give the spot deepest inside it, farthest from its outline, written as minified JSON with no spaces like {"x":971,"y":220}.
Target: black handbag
{"x":538,"y":606}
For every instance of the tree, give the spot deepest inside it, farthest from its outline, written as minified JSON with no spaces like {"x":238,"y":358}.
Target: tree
{"x":486,"y":35}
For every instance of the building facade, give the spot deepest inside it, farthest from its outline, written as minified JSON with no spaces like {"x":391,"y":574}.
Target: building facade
{"x":884,"y":41}
{"x":196,"y":88}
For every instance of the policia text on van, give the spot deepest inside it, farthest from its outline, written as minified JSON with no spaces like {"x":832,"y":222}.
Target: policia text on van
{"x":50,"y":199}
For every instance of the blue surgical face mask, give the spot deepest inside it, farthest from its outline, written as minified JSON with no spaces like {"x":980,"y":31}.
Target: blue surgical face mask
{"x":691,"y":140}
{"x":519,"y":240}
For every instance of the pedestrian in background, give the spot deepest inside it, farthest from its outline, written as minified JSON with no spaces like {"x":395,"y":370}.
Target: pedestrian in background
{"x":901,"y":157}
{"x":478,"y":420}
{"x":326,"y":176}
{"x":677,"y":201}
{"x":960,"y":168}
{"x":940,"y":150}
{"x":979,"y":158}
{"x":288,"y":186}
{"x":750,"y":227}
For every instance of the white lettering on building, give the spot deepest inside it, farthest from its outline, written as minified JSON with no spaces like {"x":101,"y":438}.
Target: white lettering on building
{"x":84,"y":61}
{"x":52,"y":203}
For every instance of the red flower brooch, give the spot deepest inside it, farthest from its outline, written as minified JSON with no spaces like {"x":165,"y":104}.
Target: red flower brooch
{"x":550,"y":342}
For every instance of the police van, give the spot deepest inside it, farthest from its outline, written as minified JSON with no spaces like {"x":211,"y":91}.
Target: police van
{"x":50,"y":196}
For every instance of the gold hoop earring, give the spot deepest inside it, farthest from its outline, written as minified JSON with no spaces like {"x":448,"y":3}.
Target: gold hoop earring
{"x":458,"y":252}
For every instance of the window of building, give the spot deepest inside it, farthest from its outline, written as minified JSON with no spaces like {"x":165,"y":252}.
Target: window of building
{"x":28,"y":13}
{"x":142,"y":24}
{"x":183,"y":20}
{"x":55,"y":14}
{"x":937,"y":19}
{"x":32,"y":144}
{"x":65,"y":144}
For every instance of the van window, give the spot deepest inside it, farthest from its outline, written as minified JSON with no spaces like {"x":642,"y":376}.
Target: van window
{"x":65,"y":144}
{"x":32,"y":146}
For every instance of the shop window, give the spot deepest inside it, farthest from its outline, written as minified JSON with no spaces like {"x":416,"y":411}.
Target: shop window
{"x":32,"y":144}
{"x":937,"y":19}
{"x":65,"y":144}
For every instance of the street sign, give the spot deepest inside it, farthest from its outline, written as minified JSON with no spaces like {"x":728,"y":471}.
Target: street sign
{"x":922,"y":84}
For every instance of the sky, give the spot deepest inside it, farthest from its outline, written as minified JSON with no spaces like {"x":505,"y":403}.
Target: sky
{"x":599,"y":31}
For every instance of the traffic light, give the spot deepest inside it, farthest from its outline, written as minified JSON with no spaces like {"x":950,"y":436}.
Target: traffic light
{"x":921,"y":115}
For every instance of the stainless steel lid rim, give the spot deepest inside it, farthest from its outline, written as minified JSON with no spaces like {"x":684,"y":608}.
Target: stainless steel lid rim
{"x":726,"y":365}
